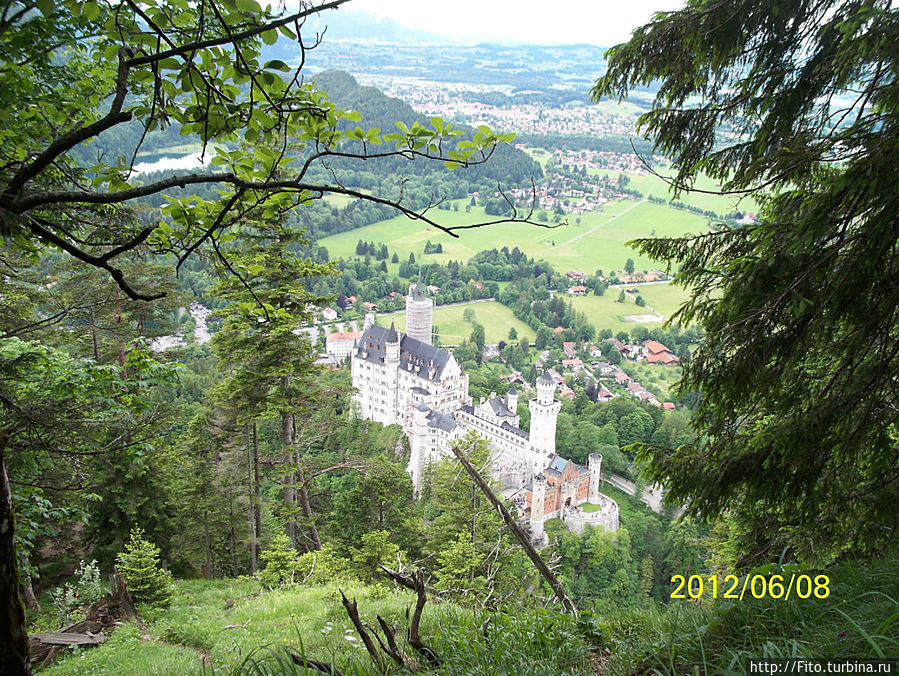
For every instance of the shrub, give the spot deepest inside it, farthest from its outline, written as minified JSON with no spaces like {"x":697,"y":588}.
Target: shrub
{"x":142,"y":571}
{"x":88,"y":584}
{"x":86,"y":589}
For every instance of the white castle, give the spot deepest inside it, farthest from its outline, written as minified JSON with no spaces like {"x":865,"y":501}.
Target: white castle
{"x":402,"y":379}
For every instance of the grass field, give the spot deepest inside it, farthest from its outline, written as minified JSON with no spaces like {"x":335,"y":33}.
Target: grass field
{"x":655,"y":186}
{"x":496,"y":318}
{"x":664,"y":298}
{"x":597,"y":242}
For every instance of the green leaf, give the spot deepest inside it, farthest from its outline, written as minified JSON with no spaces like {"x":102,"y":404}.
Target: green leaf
{"x":91,"y":10}
{"x":276,"y":64}
{"x":247,"y":5}
{"x":270,"y":37}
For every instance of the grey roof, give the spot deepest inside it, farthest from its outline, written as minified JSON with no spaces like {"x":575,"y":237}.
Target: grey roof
{"x":423,"y":407}
{"x":512,"y":391}
{"x":443,"y":421}
{"x":415,"y":357}
{"x":546,"y":379}
{"x":499,"y":407}
{"x":417,"y":291}
{"x":514,"y":430}
{"x":391,"y":334}
{"x":419,"y":390}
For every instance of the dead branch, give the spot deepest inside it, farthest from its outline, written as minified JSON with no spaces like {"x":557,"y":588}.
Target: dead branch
{"x":353,"y":611}
{"x":415,"y":582}
{"x":520,"y":535}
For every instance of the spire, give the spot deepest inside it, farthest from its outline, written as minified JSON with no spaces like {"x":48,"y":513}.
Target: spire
{"x":391,"y":334}
{"x":546,"y":379}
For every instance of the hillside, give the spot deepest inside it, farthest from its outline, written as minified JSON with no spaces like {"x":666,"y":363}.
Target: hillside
{"x":508,"y":165}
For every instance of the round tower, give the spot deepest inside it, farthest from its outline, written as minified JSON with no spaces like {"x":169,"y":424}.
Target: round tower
{"x":368,"y":321}
{"x":538,"y":499}
{"x":391,"y":345}
{"x":544,"y":413}
{"x":595,"y":466}
{"x":512,"y":399}
{"x":419,"y":311}
{"x":418,"y":445}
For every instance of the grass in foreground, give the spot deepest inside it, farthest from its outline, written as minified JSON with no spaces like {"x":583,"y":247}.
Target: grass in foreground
{"x":200,"y":634}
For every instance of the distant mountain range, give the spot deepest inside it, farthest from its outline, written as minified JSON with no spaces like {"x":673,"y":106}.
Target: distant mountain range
{"x":354,"y":25}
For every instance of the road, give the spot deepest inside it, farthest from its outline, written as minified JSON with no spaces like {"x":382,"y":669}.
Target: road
{"x":604,"y":223}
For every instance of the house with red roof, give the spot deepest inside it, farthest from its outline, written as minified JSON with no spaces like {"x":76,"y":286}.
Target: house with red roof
{"x":657,"y":353}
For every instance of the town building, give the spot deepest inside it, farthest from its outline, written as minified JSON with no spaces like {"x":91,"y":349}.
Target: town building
{"x":340,"y":343}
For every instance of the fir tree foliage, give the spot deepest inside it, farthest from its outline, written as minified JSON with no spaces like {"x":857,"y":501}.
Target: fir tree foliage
{"x":142,"y":570}
{"x":796,"y":102}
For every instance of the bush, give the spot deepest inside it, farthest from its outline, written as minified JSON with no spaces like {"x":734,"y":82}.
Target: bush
{"x":142,"y":571}
{"x":283,"y":566}
{"x":86,"y":589}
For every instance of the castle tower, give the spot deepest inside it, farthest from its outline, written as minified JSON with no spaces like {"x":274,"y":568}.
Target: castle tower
{"x":538,"y":498}
{"x":418,"y":446}
{"x":512,"y":399}
{"x":392,"y":376}
{"x":595,"y":465}
{"x":419,"y":312}
{"x":544,"y":413}
{"x":392,"y":345}
{"x":368,"y":321}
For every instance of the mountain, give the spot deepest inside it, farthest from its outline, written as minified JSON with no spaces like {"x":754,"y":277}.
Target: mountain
{"x":362,"y":26}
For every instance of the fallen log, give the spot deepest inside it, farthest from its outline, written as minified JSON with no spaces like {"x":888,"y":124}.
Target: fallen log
{"x":102,"y":616}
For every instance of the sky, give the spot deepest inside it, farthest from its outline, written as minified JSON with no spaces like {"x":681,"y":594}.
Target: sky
{"x":598,"y":22}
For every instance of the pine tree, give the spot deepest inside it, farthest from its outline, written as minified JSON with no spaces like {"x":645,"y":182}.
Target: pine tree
{"x":142,"y":571}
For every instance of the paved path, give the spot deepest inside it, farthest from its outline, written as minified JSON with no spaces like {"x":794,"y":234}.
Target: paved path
{"x":652,"y":495}
{"x":584,"y":234}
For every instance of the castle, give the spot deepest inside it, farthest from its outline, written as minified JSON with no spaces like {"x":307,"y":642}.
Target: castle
{"x":402,"y":379}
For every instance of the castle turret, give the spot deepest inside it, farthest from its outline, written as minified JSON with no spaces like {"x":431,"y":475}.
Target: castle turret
{"x":538,"y":499}
{"x":544,"y":413}
{"x":512,"y":399}
{"x":368,"y":321}
{"x":595,"y":465}
{"x":419,"y":311}
{"x":391,"y":345}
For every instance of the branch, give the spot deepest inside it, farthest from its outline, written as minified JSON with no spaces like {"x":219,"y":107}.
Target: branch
{"x":520,"y":535}
{"x":78,"y":135}
{"x":236,"y":37}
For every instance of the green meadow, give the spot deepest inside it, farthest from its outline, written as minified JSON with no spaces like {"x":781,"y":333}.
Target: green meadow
{"x":596,"y":242}
{"x":496,"y":318}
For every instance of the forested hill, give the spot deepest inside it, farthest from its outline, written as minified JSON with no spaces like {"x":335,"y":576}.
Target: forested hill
{"x":508,"y":165}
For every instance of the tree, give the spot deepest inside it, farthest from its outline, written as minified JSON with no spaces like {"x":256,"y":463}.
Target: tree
{"x":513,"y":334}
{"x":468,"y":314}
{"x":798,"y":412}
{"x":127,"y":71}
{"x":639,"y":301}
{"x":621,"y":297}
{"x":142,"y":571}
{"x":629,"y":266}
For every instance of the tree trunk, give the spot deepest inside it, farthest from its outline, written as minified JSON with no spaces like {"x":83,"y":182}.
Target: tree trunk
{"x":289,"y":491}
{"x":257,"y":496}
{"x":251,"y":512}
{"x":94,"y":336}
{"x":233,"y":534}
{"x":208,"y":544}
{"x":13,"y":637}
{"x":307,"y":509}
{"x":28,"y":593}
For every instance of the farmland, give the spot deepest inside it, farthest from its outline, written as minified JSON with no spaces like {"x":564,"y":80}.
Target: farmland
{"x":597,"y":242}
